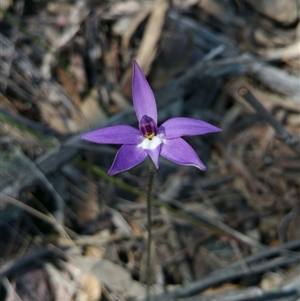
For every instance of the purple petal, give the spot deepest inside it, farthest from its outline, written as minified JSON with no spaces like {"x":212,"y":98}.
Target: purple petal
{"x":181,"y":126}
{"x":143,"y":98}
{"x":118,"y":134}
{"x":180,"y":152}
{"x":154,"y":155}
{"x":127,"y":157}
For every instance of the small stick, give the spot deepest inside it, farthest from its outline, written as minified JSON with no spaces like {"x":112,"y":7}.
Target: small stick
{"x":281,"y":132}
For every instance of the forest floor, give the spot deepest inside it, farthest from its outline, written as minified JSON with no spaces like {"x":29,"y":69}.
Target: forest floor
{"x":71,"y":232}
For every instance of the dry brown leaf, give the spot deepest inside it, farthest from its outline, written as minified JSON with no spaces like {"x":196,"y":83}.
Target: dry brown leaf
{"x":77,"y":67}
{"x":222,"y":288}
{"x":73,"y":284}
{"x":268,"y":99}
{"x":136,"y":228}
{"x":91,"y":109}
{"x":112,"y":275}
{"x":52,"y":117}
{"x":76,"y":16}
{"x":213,"y":8}
{"x":54,"y":96}
{"x":91,"y":286}
{"x":136,"y":21}
{"x":69,"y":86}
{"x":124,"y":8}
{"x":119,"y":99}
{"x":147,"y":50}
{"x":285,"y":12}
{"x":77,"y":13}
{"x":271,"y":281}
{"x":284,"y":53}
{"x":94,"y":252}
{"x":148,"y":47}
{"x":88,"y":210}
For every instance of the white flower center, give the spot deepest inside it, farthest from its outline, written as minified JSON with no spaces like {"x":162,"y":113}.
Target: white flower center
{"x":151,"y":143}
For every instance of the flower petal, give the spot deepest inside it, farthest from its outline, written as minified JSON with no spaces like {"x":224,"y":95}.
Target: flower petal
{"x":143,"y":98}
{"x":118,"y":134}
{"x":151,"y":143}
{"x":127,"y":157}
{"x":180,"y":152}
{"x":154,"y":154}
{"x":181,"y":126}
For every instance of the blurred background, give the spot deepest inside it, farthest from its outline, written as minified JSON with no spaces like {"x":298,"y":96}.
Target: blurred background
{"x":70,"y":232}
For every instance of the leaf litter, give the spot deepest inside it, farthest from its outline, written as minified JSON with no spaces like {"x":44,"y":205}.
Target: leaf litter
{"x":230,"y":233}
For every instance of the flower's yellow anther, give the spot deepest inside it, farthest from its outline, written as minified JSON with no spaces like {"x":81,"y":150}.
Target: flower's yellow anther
{"x":149,"y":136}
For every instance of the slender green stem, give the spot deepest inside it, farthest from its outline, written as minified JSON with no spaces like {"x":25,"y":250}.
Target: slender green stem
{"x":218,"y":229}
{"x":149,"y":222}
{"x":101,"y":173}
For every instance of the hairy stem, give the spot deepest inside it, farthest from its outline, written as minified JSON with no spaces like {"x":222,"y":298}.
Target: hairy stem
{"x":149,"y":222}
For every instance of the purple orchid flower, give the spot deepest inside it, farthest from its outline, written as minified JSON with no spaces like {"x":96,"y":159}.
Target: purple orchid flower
{"x":150,"y":140}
